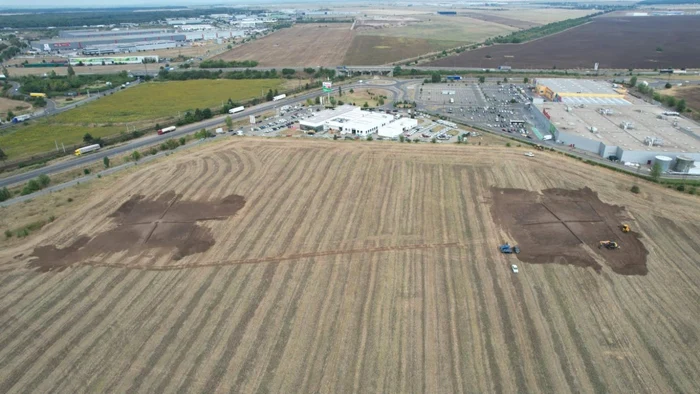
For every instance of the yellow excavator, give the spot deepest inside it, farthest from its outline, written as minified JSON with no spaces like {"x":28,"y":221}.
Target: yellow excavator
{"x":625,"y":228}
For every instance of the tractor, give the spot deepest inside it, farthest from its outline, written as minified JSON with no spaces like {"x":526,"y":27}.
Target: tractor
{"x":506,"y":248}
{"x":612,"y":245}
{"x":625,"y":228}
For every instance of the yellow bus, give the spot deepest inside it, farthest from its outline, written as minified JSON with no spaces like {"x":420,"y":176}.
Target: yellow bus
{"x":38,"y":95}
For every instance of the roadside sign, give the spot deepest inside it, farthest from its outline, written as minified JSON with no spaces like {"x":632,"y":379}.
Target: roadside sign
{"x":327,"y":87}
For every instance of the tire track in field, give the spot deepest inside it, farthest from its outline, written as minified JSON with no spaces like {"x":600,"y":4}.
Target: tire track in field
{"x":557,"y":342}
{"x":156,"y":310}
{"x":450,"y":292}
{"x":496,"y":379}
{"x":234,"y":339}
{"x":83,"y":356}
{"x":365,"y":316}
{"x":263,"y":335}
{"x":318,"y":345}
{"x":39,"y":309}
{"x":172,"y":333}
{"x":296,"y":209}
{"x":76,"y":317}
{"x":284,"y":334}
{"x":95,"y":321}
{"x":45,"y":285}
{"x":515,"y":355}
{"x":330,"y":216}
{"x":224,"y":318}
{"x":184,"y":348}
{"x":256,"y":219}
{"x":318,"y":348}
{"x":589,"y":366}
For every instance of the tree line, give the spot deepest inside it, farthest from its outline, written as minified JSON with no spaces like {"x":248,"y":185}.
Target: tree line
{"x":540,"y":31}
{"x":220,"y":63}
{"x":53,"y":83}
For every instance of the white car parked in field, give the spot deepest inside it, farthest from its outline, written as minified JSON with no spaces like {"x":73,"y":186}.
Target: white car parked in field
{"x":514,"y":268}
{"x":529,"y":154}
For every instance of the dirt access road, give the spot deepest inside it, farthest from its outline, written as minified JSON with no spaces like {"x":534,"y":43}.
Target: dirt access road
{"x":379,"y":273}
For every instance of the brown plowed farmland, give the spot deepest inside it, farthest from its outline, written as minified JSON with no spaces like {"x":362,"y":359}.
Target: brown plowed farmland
{"x":303,"y":45}
{"x":613,"y":42}
{"x":345,"y":266}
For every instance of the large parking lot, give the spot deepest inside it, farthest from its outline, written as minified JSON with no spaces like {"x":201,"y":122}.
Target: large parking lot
{"x":498,"y":107}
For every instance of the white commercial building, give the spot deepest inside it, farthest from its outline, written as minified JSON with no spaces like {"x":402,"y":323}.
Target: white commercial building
{"x":348,"y":119}
{"x":195,"y":27}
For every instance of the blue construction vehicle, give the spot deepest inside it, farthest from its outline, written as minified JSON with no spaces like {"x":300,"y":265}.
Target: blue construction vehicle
{"x":509,"y":249}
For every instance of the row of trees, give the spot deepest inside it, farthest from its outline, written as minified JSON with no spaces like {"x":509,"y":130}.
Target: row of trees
{"x":195,"y":116}
{"x":206,"y":74}
{"x":220,"y":63}
{"x":63,"y":83}
{"x":669,"y":101}
{"x":540,"y":31}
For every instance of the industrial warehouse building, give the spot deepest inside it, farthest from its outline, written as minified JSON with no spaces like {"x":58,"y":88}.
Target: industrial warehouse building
{"x":348,"y":119}
{"x":622,"y":128}
{"x":127,"y":37}
{"x":580,"y":91}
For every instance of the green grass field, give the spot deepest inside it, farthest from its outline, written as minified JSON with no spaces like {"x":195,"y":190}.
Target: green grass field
{"x":135,"y":107}
{"x":165,"y":99}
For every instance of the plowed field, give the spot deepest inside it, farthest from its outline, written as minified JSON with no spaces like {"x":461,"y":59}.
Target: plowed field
{"x":303,"y":45}
{"x":613,"y":42}
{"x":322,"y":267}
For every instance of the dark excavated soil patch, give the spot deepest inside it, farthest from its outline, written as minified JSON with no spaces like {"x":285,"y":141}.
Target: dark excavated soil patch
{"x":166,"y":225}
{"x":553,"y":226}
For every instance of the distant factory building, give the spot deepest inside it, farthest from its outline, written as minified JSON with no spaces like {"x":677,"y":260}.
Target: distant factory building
{"x":195,"y":27}
{"x":185,"y":21}
{"x":75,"y":43}
{"x":94,"y":33}
{"x":213,"y":34}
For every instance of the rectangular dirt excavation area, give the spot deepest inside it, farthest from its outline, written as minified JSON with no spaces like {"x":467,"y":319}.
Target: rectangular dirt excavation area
{"x":569,"y":227}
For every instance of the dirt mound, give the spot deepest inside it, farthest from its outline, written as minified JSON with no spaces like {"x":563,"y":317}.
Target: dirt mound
{"x":167,"y":223}
{"x":565,"y":227}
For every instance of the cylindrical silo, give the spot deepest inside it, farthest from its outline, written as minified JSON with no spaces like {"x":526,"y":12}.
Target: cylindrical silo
{"x":664,"y":161}
{"x":683,"y":164}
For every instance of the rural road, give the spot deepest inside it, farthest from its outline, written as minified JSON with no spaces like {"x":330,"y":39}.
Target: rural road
{"x":182,"y":130}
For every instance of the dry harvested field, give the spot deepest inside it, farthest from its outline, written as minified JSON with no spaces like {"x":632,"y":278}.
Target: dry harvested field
{"x":690,"y":93}
{"x":301,"y":45}
{"x":16,"y":106}
{"x":292,"y":265}
{"x":626,"y":42}
{"x":537,"y":15}
{"x":375,"y":50}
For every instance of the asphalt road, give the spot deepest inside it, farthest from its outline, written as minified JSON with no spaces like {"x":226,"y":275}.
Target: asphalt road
{"x":182,"y":130}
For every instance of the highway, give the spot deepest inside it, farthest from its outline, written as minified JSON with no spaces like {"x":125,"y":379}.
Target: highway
{"x":182,"y":130}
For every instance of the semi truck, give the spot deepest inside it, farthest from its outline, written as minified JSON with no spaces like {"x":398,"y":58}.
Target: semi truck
{"x":166,"y":130}
{"x":236,"y":110}
{"x":21,"y":118}
{"x":280,"y":97}
{"x":87,"y":149}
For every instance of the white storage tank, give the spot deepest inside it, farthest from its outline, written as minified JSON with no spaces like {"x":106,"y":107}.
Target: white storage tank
{"x":664,"y":161}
